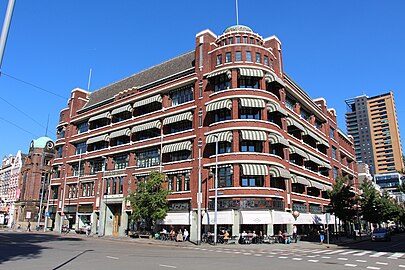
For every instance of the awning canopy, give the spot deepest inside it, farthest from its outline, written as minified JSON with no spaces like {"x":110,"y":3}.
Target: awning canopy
{"x":176,"y":219}
{"x":323,"y":142}
{"x":174,"y":147}
{"x":315,"y":160}
{"x":126,"y":108}
{"x":100,"y":116}
{"x":282,"y":218}
{"x":146,"y":101}
{"x":313,"y":135}
{"x":252,"y":72}
{"x":327,"y":187}
{"x":220,"y":72}
{"x":293,"y":122}
{"x":271,"y":77}
{"x":252,"y":102}
{"x":295,"y":150}
{"x":273,"y":106}
{"x":255,"y":217}
{"x":276,"y":171}
{"x":119,"y":133}
{"x":223,"y":104}
{"x":254,"y":169}
{"x":99,"y":138}
{"x":178,"y":118}
{"x":253,"y":135}
{"x":222,"y":137}
{"x":223,"y":218}
{"x":146,"y":126}
{"x":304,"y":218}
{"x":296,"y":179}
{"x":275,"y":138}
{"x":316,"y":184}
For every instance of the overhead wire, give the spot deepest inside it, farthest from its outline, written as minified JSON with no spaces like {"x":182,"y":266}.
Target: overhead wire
{"x":17,"y":126}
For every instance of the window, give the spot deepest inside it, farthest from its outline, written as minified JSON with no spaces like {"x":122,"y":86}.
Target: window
{"x":178,"y":182}
{"x":87,"y":189}
{"x":170,"y":181}
{"x":59,"y":151}
{"x":180,"y":126}
{"x":148,"y":158}
{"x":251,"y":146}
{"x":271,"y":64}
{"x":107,"y":186}
{"x":182,"y":95}
{"x":289,"y":103}
{"x":77,"y":171}
{"x":81,"y":148}
{"x":200,"y":118}
{"x":305,"y":114}
{"x":249,"y":82}
{"x":248,"y":56}
{"x":114,"y":185}
{"x":200,"y":88}
{"x":57,"y":172}
{"x":225,"y":177}
{"x":97,"y":166}
{"x":238,"y":56}
{"x":222,"y":115}
{"x":245,"y":40}
{"x":187,"y":182}
{"x":237,"y":39}
{"x":230,"y":40}
{"x":219,"y":59}
{"x":61,"y":132}
{"x":252,"y":181}
{"x":221,"y":82}
{"x":228,"y":57}
{"x":55,"y":192}
{"x":180,"y":155}
{"x":335,"y":172}
{"x":332,"y":133}
{"x":121,"y":117}
{"x":258,"y":58}
{"x":252,"y":40}
{"x":250,"y":113}
{"x":334,"y":153}
{"x":266,"y":60}
{"x":224,"y":147}
{"x":121,"y":162}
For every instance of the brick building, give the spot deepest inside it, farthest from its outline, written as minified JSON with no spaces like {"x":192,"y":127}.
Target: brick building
{"x":278,"y":149}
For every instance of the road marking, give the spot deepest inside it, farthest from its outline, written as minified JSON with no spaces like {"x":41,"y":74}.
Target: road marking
{"x":247,"y":253}
{"x":349,"y":252}
{"x":283,"y":257}
{"x":350,"y":265}
{"x":204,"y":249}
{"x":362,"y":253}
{"x":258,"y":255}
{"x":219,"y":251}
{"x":378,"y":254}
{"x":168,"y":266}
{"x":270,"y":256}
{"x":382,"y":263}
{"x":325,"y":257}
{"x":343,"y":259}
{"x":372,"y":267}
{"x":362,"y":261}
{"x":320,"y":251}
{"x":111,"y":257}
{"x":237,"y":252}
{"x":401,"y":265}
{"x":334,"y":252}
{"x":313,"y":261}
{"x":312,"y":256}
{"x":297,"y":259}
{"x":396,"y":255}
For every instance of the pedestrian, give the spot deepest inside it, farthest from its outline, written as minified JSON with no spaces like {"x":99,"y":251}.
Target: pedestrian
{"x":29,"y":226}
{"x":295,"y":234}
{"x":88,"y":229}
{"x":185,"y":235}
{"x":321,"y":233}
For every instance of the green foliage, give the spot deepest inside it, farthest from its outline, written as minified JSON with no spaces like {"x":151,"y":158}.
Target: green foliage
{"x":149,"y":203}
{"x":343,"y":199}
{"x":370,"y":203}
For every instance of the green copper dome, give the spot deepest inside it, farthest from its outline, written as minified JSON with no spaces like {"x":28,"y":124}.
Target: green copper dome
{"x":41,"y":142}
{"x":238,"y":28}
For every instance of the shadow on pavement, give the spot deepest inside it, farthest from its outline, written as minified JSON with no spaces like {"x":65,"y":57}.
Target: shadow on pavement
{"x":16,"y":246}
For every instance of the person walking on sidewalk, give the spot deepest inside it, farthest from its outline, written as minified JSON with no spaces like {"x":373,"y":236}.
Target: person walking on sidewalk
{"x":321,"y":233}
{"x":29,"y":226}
{"x":295,"y":233}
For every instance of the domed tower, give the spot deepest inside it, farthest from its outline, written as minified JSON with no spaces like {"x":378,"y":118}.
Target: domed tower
{"x":34,"y":180}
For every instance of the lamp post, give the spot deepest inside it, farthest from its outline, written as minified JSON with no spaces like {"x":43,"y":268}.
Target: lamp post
{"x":199,"y":195}
{"x":42,"y":191}
{"x":216,"y":192}
{"x":103,"y":195}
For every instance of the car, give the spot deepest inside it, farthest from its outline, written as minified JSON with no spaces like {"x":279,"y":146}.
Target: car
{"x":381,"y":234}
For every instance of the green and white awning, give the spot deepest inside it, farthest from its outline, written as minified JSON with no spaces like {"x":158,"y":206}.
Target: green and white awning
{"x":99,"y":138}
{"x":253,"y":135}
{"x":223,"y":104}
{"x":295,"y":150}
{"x":220,"y":72}
{"x":326,"y":165}
{"x":313,"y":135}
{"x":275,"y":138}
{"x":327,"y":187}
{"x":273,"y":106}
{"x":174,"y":147}
{"x":296,"y":179}
{"x":271,"y":77}
{"x":276,"y":171}
{"x":146,"y":101}
{"x":146,"y":126}
{"x":178,"y":118}
{"x":252,"y":102}
{"x":222,"y":137}
{"x":323,"y":142}
{"x":251,"y":72}
{"x":315,"y":160}
{"x":317,"y":185}
{"x":100,"y":116}
{"x":293,"y":122}
{"x":119,"y":133}
{"x":126,"y":108}
{"x":254,"y":169}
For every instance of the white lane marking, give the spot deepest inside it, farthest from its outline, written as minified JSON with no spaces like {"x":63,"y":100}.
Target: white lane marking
{"x":168,"y":266}
{"x":374,"y":268}
{"x":349,"y":252}
{"x":320,"y":251}
{"x":247,"y":253}
{"x":343,"y":259}
{"x":334,"y":252}
{"x":283,"y":257}
{"x":362,"y":261}
{"x":401,"y":265}
{"x":219,"y":251}
{"x":350,"y":265}
{"x":111,"y":257}
{"x":362,"y":253}
{"x":378,"y":254}
{"x":396,"y":255}
{"x":325,"y":257}
{"x":270,"y":256}
{"x":313,"y":261}
{"x":258,"y":255}
{"x":204,"y":249}
{"x":381,"y":263}
{"x":297,"y":259}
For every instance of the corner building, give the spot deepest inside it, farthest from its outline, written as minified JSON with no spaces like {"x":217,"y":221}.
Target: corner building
{"x":278,"y":150}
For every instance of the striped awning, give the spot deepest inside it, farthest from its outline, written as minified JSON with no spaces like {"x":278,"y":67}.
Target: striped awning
{"x":273,"y":106}
{"x":254,"y":169}
{"x":315,"y":160}
{"x":174,"y":147}
{"x":271,"y":77}
{"x":178,"y":118}
{"x":146,"y":126}
{"x":275,"y":138}
{"x":226,"y":103}
{"x":252,"y":102}
{"x":324,"y":142}
{"x":99,"y":138}
{"x":156,"y":98}
{"x":292,"y":122}
{"x":326,"y":165}
{"x":295,"y":150}
{"x":276,"y":171}
{"x":119,"y":133}
{"x":313,"y":135}
{"x":252,"y":72}
{"x":316,"y":184}
{"x":222,"y":137}
{"x":100,"y":116}
{"x":216,"y":73}
{"x":296,"y":179}
{"x":327,"y":188}
{"x":126,"y":108}
{"x":253,"y":135}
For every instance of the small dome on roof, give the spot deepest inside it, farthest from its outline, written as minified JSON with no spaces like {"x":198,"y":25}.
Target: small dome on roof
{"x":238,"y":28}
{"x":42,"y":142}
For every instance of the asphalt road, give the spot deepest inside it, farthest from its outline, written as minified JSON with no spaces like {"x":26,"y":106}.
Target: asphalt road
{"x":51,"y":251}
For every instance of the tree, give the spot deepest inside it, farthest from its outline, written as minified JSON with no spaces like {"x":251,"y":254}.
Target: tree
{"x":370,"y":202}
{"x":149,"y":203}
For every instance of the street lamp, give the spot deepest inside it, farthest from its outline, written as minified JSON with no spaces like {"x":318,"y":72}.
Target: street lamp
{"x":103,"y":195}
{"x":216,"y":192}
{"x":199,"y":194}
{"x":42,"y":191}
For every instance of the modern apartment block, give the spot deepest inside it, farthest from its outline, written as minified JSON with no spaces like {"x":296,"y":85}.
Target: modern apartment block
{"x":279,"y":150}
{"x":372,"y":121}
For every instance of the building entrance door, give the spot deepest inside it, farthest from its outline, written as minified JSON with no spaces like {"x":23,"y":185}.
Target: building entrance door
{"x":116,"y":219}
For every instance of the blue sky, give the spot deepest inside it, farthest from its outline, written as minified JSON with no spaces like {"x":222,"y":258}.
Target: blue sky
{"x":332,"y":49}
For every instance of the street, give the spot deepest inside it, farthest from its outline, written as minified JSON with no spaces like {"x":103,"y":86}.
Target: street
{"x":52,"y":251}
